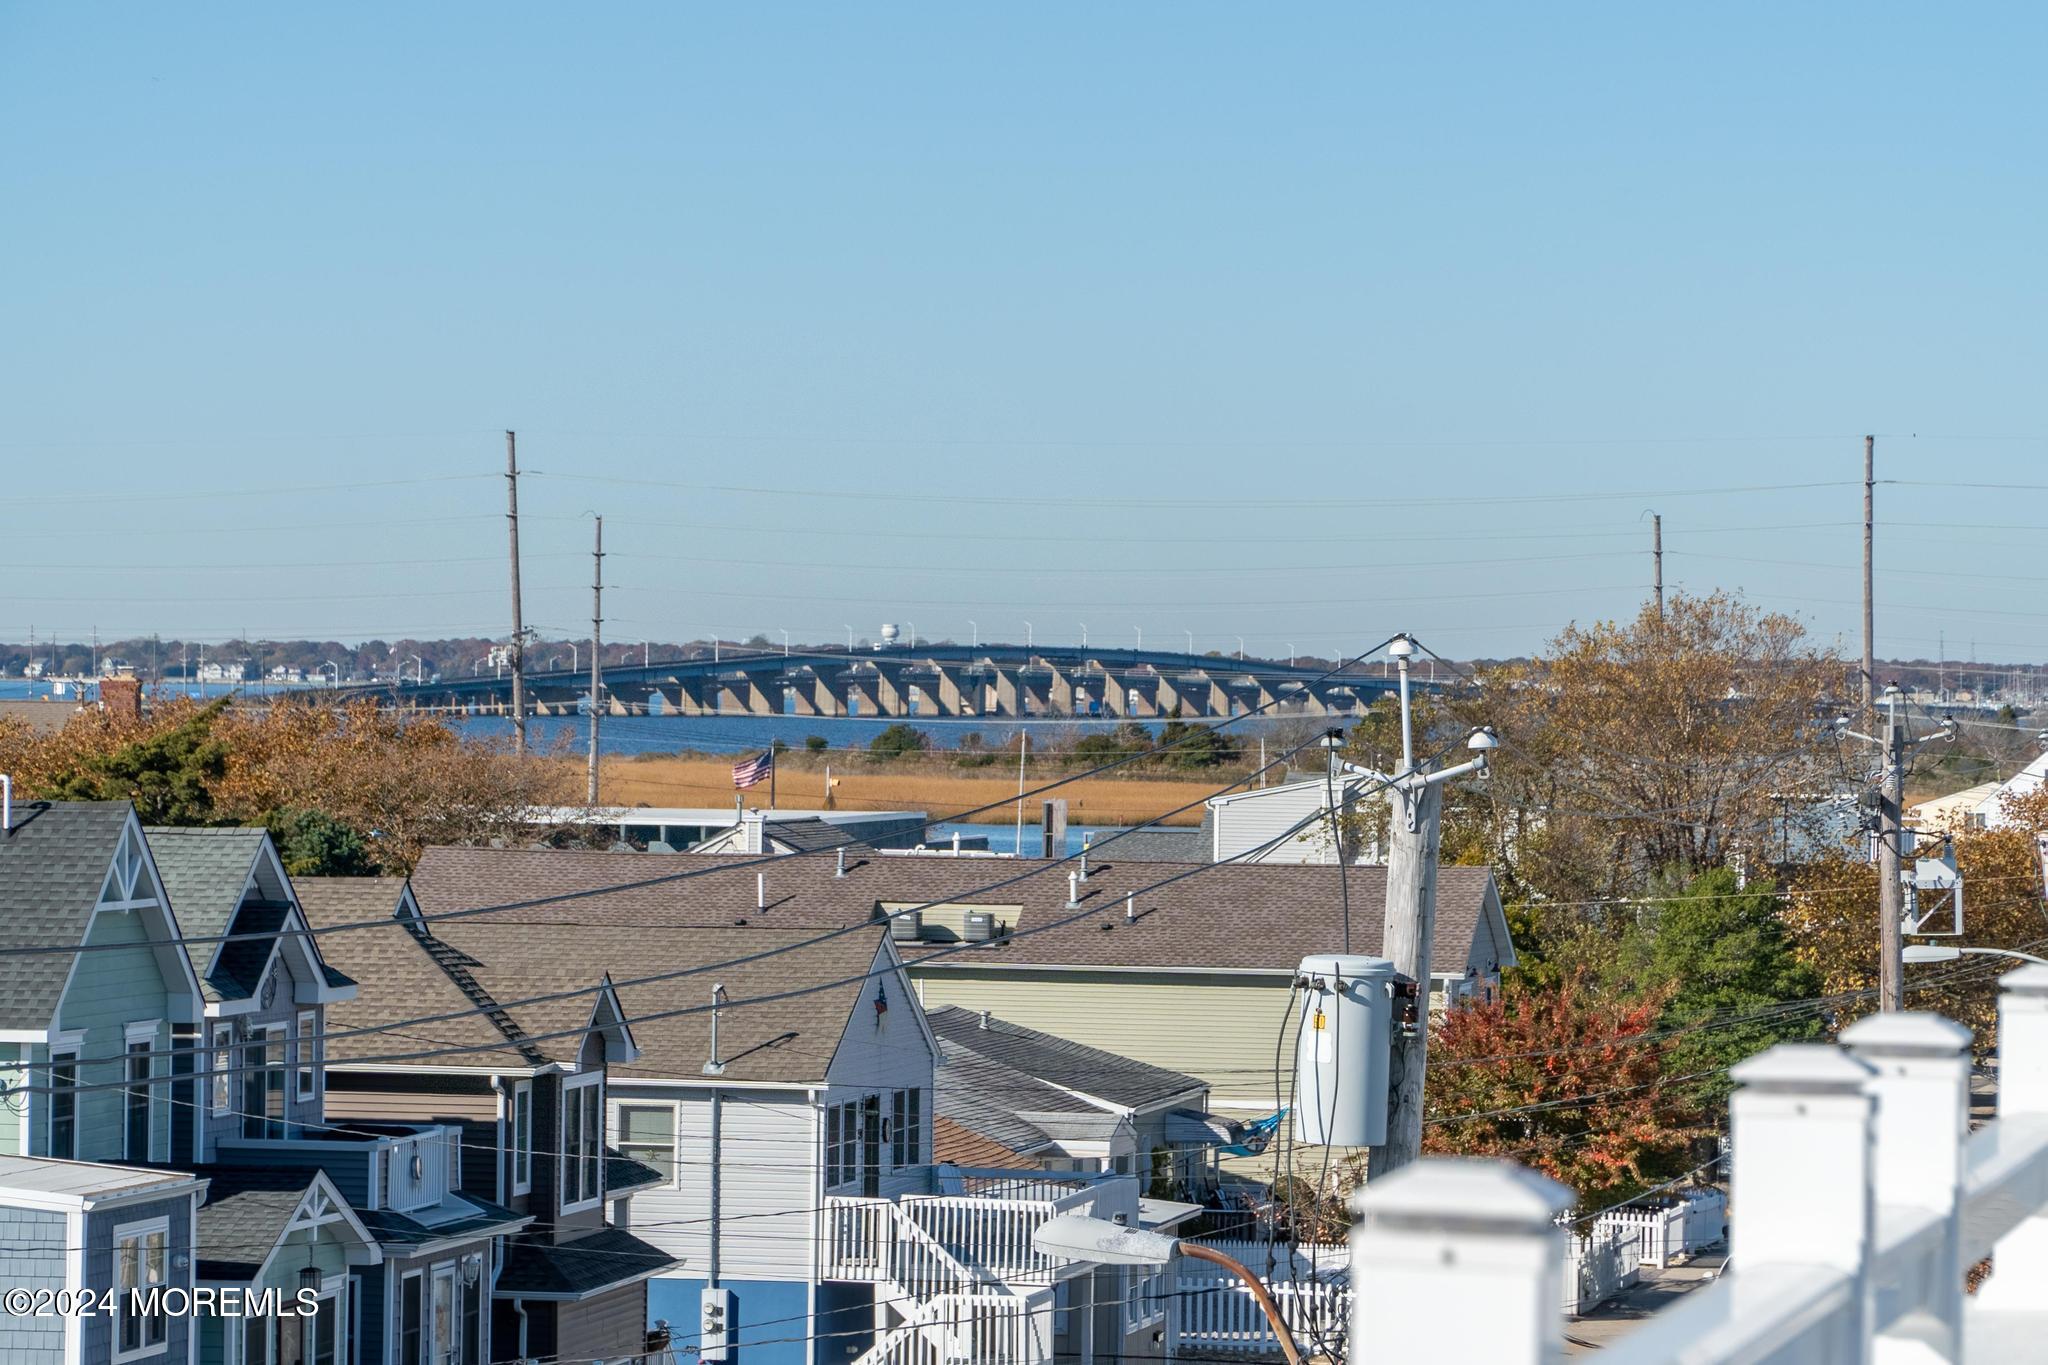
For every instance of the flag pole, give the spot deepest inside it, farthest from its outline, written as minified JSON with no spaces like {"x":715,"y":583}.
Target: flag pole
{"x":771,"y":774}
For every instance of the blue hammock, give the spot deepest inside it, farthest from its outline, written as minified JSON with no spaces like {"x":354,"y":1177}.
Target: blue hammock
{"x":1257,"y":1134}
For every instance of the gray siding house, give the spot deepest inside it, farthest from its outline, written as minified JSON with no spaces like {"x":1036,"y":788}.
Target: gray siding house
{"x":81,"y":1226}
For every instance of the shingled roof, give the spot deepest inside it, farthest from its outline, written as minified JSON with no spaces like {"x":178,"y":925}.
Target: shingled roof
{"x":1214,"y":917}
{"x":1057,"y":1062}
{"x":205,"y":873}
{"x":571,"y":1270}
{"x":556,"y":924}
{"x":53,"y":860}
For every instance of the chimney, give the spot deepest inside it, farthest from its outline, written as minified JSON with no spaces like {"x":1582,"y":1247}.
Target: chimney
{"x":121,"y":698}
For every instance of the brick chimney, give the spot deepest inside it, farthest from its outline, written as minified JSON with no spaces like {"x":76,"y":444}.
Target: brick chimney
{"x":121,"y":698}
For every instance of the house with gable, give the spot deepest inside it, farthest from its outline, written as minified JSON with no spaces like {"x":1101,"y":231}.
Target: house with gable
{"x":91,"y":1014}
{"x":371,"y":1217}
{"x":783,"y":1088}
{"x":442,"y":1032}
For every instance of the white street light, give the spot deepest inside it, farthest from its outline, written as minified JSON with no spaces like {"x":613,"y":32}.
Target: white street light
{"x":849,"y":639}
{"x":419,"y":670}
{"x":1240,"y":649}
{"x":337,"y":671}
{"x":1141,"y":635}
{"x":1107,"y":1243}
{"x":785,"y":641}
{"x":1191,"y":640}
{"x":1084,"y":635}
{"x":974,"y":634}
{"x":1027,"y":635}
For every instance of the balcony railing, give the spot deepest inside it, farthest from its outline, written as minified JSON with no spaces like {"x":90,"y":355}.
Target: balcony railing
{"x":1860,"y":1200}
{"x":984,"y":1236}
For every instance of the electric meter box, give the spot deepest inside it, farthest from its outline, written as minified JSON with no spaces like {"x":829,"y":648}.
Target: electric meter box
{"x":1344,"y":1017}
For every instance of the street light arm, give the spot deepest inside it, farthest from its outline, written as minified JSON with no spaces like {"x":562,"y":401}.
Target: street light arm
{"x":1195,"y":1251}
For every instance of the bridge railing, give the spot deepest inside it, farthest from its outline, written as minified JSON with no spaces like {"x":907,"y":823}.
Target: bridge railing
{"x":1860,"y":1200}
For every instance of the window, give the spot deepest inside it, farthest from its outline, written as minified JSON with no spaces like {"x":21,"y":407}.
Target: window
{"x":473,"y":1309}
{"x":842,"y":1142}
{"x":411,"y":1319}
{"x":141,"y":1253}
{"x":135,"y":1106}
{"x":906,"y":1128}
{"x":522,"y":1136}
{"x":256,"y":1341}
{"x":263,"y":1062}
{"x":832,"y":1176}
{"x":309,"y":1053}
{"x":582,"y":1140}
{"x":64,"y":1105}
{"x":647,"y":1133}
{"x":223,"y":1068}
{"x":323,"y":1330}
{"x":444,"y":1315}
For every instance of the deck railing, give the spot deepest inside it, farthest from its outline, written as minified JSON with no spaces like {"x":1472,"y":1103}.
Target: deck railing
{"x":1860,"y":1199}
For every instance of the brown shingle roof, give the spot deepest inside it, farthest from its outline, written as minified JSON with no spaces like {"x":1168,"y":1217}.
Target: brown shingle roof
{"x":1223,"y":917}
{"x":574,"y":944}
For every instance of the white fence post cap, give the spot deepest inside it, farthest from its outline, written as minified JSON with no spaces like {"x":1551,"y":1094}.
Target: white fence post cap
{"x":1480,"y":1195}
{"x":1804,"y":1067}
{"x":2031,"y":979}
{"x":1912,"y":1033}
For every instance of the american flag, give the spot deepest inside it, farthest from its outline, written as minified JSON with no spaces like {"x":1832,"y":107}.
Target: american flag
{"x":749,"y":771}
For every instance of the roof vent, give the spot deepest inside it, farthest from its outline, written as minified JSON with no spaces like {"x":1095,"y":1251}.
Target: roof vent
{"x":984,"y":1019}
{"x":6,"y":803}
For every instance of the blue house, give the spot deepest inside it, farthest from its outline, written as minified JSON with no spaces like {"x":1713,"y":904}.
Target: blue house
{"x":71,"y":1226}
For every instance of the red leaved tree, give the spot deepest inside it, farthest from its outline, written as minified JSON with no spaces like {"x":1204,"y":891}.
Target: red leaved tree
{"x":1568,"y":1081}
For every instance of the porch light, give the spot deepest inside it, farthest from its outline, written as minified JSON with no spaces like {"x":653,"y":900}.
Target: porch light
{"x":309,"y":1277}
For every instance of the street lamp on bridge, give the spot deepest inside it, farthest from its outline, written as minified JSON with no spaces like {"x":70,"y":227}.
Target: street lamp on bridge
{"x":973,"y":634}
{"x":1027,"y":635}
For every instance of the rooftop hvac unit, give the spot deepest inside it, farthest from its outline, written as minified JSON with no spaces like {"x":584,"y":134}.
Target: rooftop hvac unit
{"x":978,"y":927}
{"x":907,"y":927}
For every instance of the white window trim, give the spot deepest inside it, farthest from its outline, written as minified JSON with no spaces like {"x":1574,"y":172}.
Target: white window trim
{"x":138,"y":1231}
{"x":398,"y":1314}
{"x":60,"y":1053}
{"x":306,"y":1061}
{"x":615,"y":1133}
{"x":521,"y":1142}
{"x":141,"y":1031}
{"x":152,"y":1094}
{"x":570,"y":1085}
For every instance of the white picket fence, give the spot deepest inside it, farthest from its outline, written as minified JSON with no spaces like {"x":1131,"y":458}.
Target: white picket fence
{"x":1691,"y":1222}
{"x":1599,"y":1265}
{"x":1220,"y":1315}
{"x":1860,"y":1195}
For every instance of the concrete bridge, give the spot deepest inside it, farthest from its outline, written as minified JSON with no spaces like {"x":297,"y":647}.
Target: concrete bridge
{"x":1004,"y":681}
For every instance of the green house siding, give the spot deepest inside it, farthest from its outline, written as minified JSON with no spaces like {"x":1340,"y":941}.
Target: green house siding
{"x":1220,"y":1027}
{"x":329,"y":1253}
{"x":112,"y":987}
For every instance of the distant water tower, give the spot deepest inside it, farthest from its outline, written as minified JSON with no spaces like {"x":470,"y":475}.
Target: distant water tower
{"x":889,"y":634}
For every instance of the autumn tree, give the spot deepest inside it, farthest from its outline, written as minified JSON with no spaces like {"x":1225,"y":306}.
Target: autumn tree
{"x":359,"y":788}
{"x":1832,"y":923}
{"x":1630,"y":749}
{"x":1567,"y":1079}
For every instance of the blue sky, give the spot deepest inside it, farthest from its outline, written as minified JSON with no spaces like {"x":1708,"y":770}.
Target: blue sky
{"x":1300,"y":325}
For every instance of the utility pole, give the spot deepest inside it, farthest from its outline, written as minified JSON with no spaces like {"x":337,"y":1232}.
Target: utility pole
{"x":596,"y":651}
{"x":1416,"y":800}
{"x":518,"y":625}
{"x":1657,"y":559}
{"x":1887,"y":803}
{"x":1869,"y":613}
{"x":1891,"y":903}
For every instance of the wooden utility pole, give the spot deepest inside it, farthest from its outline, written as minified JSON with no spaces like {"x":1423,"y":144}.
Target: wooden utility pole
{"x":1891,"y":900}
{"x":1415,"y":829}
{"x":1657,"y":559}
{"x":1869,"y":613}
{"x":596,"y":651}
{"x":518,"y":626}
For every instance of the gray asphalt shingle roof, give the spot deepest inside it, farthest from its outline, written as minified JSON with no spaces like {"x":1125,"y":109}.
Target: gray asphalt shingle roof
{"x":245,"y":1213}
{"x":1060,"y":1064}
{"x":204,"y":872}
{"x":991,"y":1100}
{"x":588,"y":1264}
{"x":53,"y":861}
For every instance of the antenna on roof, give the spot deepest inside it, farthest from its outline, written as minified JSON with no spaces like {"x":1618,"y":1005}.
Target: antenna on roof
{"x":714,"y":1067}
